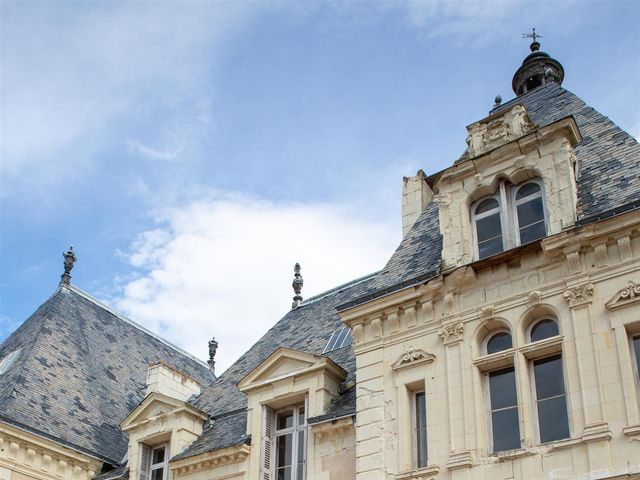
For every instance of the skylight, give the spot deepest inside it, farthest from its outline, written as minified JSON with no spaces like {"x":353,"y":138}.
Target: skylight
{"x":7,"y":360}
{"x":340,"y":338}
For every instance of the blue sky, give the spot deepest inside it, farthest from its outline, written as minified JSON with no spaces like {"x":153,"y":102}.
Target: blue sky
{"x":194,"y":151}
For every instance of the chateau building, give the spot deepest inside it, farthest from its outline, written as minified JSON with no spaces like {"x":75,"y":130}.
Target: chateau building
{"x":500,"y":341}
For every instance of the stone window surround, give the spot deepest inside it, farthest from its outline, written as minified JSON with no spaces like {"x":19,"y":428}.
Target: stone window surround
{"x":545,"y":154}
{"x":412,"y":379}
{"x":524,"y":376}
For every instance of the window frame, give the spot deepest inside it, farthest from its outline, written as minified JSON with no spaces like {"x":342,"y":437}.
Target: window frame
{"x":485,"y":342}
{"x":294,"y":431}
{"x":535,"y":322}
{"x":513,"y":205}
{"x":487,"y":396}
{"x":534,"y":394}
{"x":634,"y":360}
{"x":415,"y":429}
{"x":507,"y":206}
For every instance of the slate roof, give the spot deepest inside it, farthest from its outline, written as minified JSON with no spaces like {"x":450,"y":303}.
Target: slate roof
{"x":308,"y":329}
{"x":608,"y":160}
{"x":81,"y":370}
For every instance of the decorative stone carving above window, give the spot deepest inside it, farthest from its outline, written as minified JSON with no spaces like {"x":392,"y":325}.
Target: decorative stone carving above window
{"x":625,"y":297}
{"x":485,"y":136}
{"x":413,"y":356}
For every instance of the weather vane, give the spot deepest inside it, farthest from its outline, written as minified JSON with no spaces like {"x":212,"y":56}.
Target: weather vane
{"x":533,"y":35}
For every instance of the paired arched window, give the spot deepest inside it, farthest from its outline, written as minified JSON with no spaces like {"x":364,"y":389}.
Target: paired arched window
{"x":547,"y":381}
{"x":513,"y":216}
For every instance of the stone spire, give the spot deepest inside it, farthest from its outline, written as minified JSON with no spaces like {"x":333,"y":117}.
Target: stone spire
{"x":538,"y":68}
{"x":213,"y":348}
{"x":69,"y":261}
{"x":297,"y":286}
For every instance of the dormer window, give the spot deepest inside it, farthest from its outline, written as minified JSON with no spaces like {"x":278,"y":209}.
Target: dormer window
{"x":513,"y":216}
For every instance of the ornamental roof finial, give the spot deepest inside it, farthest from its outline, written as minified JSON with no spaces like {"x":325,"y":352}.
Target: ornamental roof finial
{"x":535,"y":45}
{"x":297,"y":286}
{"x":69,"y":260}
{"x":213,"y":348}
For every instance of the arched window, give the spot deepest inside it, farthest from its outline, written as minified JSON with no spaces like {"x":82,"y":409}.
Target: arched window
{"x":550,"y":392}
{"x":499,"y":341}
{"x":513,"y":216}
{"x":529,"y":216}
{"x":488,"y":227}
{"x":503,"y":398}
{"x":542,"y":329}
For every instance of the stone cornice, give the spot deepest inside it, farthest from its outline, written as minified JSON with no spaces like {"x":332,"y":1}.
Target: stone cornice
{"x":411,"y":357}
{"x":209,"y":460}
{"x":629,"y":295}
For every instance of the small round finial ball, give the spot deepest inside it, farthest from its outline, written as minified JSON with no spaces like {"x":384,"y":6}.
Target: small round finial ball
{"x":498,"y":100}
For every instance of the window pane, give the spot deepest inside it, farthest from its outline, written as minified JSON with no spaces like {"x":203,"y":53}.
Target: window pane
{"x":486,"y":205}
{"x":548,"y":376}
{"x":500,"y":341}
{"x":300,"y":469}
{"x":552,"y":418}
{"x":527,"y":189}
{"x":157,"y":474}
{"x":532,"y":232}
{"x":421,"y":448}
{"x":285,"y":420}
{"x":505,"y":428}
{"x":531,"y":220}
{"x":284,"y":473}
{"x":502,"y":388}
{"x":544,"y":329}
{"x":284,"y":450}
{"x":421,"y":430}
{"x":158,"y":456}
{"x":301,"y":415}
{"x":490,"y":247}
{"x":488,"y":227}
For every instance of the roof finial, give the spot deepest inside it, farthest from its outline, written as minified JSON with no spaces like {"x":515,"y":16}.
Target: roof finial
{"x":69,"y":260}
{"x":535,"y":45}
{"x":497,"y":101}
{"x":213,"y":348}
{"x":297,"y":286}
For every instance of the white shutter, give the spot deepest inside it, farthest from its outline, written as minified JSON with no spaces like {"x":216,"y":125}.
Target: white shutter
{"x":267,"y":440}
{"x":145,"y":453}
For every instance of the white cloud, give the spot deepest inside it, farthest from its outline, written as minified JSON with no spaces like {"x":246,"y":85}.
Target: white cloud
{"x":73,"y":73}
{"x":223,"y":266}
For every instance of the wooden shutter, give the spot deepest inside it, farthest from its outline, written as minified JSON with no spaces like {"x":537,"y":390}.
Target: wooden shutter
{"x":267,"y":441}
{"x":145,"y":453}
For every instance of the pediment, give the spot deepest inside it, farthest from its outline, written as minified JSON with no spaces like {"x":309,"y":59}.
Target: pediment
{"x":629,"y":295}
{"x":156,"y":405}
{"x":285,"y":363}
{"x":411,"y":357}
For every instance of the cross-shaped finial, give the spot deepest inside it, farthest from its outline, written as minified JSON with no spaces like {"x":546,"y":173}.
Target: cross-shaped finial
{"x":533,"y":35}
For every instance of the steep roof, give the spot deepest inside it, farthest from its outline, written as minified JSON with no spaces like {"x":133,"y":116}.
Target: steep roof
{"x":81,"y":369}
{"x":608,"y":166}
{"x":306,"y":328}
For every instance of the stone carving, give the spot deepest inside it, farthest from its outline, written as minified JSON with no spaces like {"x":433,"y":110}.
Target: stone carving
{"x":535,"y":297}
{"x":579,"y":295}
{"x":489,"y":311}
{"x":573,"y":259}
{"x":449,"y":303}
{"x":358,"y":333}
{"x":451,"y":332}
{"x":624,"y":245}
{"x":485,"y":136}
{"x":602,"y":257}
{"x":411,"y":357}
{"x":627,"y":296}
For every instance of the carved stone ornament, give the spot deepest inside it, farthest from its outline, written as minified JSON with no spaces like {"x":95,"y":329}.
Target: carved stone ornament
{"x":579,"y":295}
{"x":450,"y":333}
{"x":535,"y":297}
{"x":627,"y":296}
{"x":489,"y":311}
{"x":413,"y":356}
{"x":485,"y":136}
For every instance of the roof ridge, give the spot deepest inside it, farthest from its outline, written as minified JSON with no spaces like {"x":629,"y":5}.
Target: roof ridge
{"x":338,"y":289}
{"x":134,"y":324}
